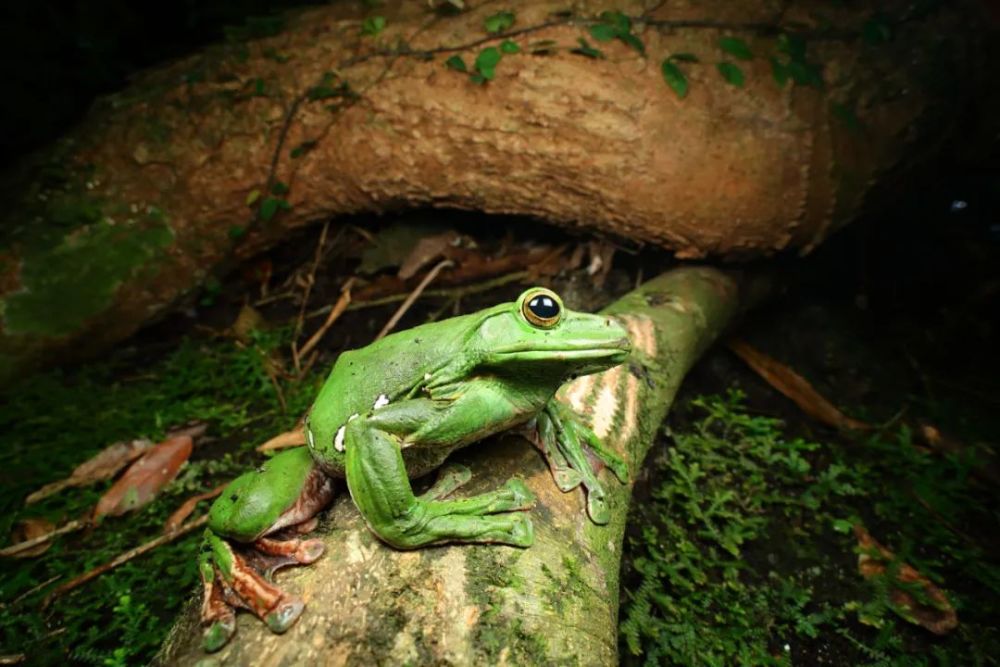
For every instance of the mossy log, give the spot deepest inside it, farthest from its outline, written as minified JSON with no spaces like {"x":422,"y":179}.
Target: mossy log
{"x":216,"y":156}
{"x":553,"y":603}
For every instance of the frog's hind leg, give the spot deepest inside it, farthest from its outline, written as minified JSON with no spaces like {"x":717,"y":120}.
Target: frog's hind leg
{"x":232,"y":580}
{"x":377,"y":479}
{"x":241,"y":576}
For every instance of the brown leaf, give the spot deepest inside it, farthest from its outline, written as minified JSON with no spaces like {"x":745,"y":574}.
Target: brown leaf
{"x":175,"y":520}
{"x":936,"y":615}
{"x":601,"y":256}
{"x":28,"y":529}
{"x":247,"y":321}
{"x":103,"y":465}
{"x":143,"y":480}
{"x":795,"y":387}
{"x":294,"y":438}
{"x":426,"y":251}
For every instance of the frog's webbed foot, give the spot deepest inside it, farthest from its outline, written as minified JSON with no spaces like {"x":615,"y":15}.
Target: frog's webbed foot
{"x":241,"y":578}
{"x":575,"y":455}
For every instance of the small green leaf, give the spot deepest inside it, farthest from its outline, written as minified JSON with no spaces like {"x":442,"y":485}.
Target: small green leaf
{"x":842,"y":525}
{"x":499,"y":22}
{"x":735,"y":47}
{"x":675,"y":78}
{"x":621,"y":22}
{"x":779,"y":71}
{"x":806,"y":73}
{"x":585,"y":49}
{"x":236,"y":232}
{"x":372,"y":25}
{"x":684,"y":58}
{"x":508,"y":46}
{"x":456,"y":63}
{"x":279,"y":188}
{"x":731,"y":73}
{"x":792,"y":45}
{"x":268,"y":208}
{"x":486,"y":62}
{"x":634,"y":42}
{"x":603,"y":32}
{"x":252,"y":197}
{"x":477,"y":79}
{"x":259,"y":87}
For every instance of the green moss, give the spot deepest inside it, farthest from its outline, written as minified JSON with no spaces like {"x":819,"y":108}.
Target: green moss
{"x":743,"y":553}
{"x":490,"y":581}
{"x":74,"y":279}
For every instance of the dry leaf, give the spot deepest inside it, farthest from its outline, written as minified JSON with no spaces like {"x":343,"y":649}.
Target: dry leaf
{"x":795,"y":387}
{"x":601,"y":256}
{"x":248,"y":321}
{"x":102,"y":466}
{"x":294,"y":438}
{"x":28,"y":529}
{"x":426,"y":251}
{"x":937,"y":615}
{"x":175,"y":520}
{"x":143,"y":480}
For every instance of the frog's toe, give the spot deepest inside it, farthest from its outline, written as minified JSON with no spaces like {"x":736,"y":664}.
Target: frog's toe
{"x":219,"y":633}
{"x":567,"y":479}
{"x":285,"y":614}
{"x":523,"y":532}
{"x":617,"y":466}
{"x":597,"y":507}
{"x":309,"y":551}
{"x":521,"y":496}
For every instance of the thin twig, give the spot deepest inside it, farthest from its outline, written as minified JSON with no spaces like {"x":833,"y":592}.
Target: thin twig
{"x":311,"y":278}
{"x":32,"y":590}
{"x":14,"y":549}
{"x":443,"y":292}
{"x":338,"y":309}
{"x":124,"y":558}
{"x":405,"y":306}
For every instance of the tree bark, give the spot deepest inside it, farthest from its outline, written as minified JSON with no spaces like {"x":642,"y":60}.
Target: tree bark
{"x":150,"y":194}
{"x":553,"y":603}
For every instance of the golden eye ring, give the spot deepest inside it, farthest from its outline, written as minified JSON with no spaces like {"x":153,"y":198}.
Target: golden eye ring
{"x":542,"y":309}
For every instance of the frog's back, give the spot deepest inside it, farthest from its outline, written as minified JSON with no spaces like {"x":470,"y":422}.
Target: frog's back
{"x":388,"y":367}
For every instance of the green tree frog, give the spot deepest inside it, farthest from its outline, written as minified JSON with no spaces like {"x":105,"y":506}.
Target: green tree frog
{"x":395,"y":410}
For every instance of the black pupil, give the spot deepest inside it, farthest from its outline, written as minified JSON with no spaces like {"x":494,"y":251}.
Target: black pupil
{"x":544,"y":307}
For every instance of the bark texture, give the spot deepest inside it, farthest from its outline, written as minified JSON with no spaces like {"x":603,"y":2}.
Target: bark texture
{"x":150,"y":194}
{"x":553,"y":603}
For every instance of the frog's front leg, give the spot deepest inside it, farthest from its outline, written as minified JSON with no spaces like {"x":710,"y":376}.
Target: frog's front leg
{"x":378,"y":480}
{"x":282,"y":496}
{"x":568,"y":444}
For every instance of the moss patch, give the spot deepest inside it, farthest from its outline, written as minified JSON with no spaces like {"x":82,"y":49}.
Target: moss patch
{"x":64,"y":284}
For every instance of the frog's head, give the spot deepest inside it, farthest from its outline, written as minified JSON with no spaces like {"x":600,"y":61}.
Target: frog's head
{"x":538,"y":335}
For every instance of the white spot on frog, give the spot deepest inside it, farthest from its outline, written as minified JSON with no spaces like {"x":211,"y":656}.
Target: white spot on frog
{"x":338,"y":440}
{"x":381,"y":401}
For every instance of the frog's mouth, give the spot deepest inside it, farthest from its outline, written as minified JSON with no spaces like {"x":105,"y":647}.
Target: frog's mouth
{"x":611,"y":353}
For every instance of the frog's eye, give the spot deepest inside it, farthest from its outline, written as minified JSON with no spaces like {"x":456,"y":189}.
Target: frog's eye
{"x":542,"y":309}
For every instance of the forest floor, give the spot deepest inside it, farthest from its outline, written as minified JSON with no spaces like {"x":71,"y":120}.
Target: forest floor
{"x":743,"y":549}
